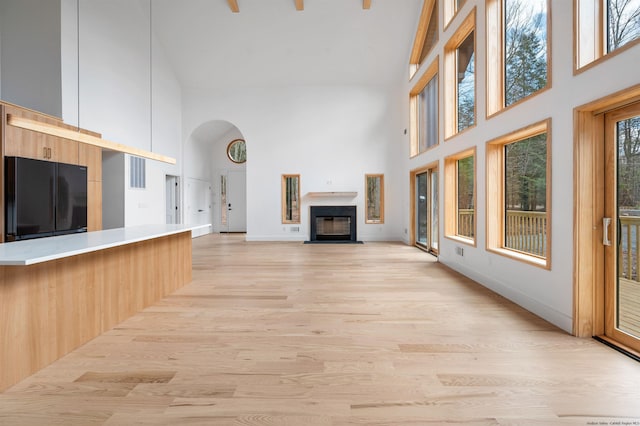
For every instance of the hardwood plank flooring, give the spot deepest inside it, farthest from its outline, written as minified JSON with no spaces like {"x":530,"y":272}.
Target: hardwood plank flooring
{"x":329,"y":335}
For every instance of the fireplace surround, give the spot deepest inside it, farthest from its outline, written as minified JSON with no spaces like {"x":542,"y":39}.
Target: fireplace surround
{"x":333,"y":224}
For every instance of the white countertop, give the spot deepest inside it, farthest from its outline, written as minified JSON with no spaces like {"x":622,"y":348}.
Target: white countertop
{"x":39,"y":250}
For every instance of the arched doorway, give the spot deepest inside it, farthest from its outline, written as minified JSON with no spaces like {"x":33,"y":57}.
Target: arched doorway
{"x":215,"y":181}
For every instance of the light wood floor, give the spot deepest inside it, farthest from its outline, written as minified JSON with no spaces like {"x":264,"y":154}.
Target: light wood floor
{"x":292,"y":334}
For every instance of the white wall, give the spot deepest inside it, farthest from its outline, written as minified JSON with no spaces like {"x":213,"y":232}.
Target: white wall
{"x":332,"y":136}
{"x":30,"y":54}
{"x":124,"y":91}
{"x":548,"y":293}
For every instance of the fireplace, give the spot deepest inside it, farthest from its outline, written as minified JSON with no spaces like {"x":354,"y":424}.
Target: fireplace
{"x":333,"y":224}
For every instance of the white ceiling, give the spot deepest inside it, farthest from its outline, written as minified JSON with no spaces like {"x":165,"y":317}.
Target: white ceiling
{"x":270,"y":43}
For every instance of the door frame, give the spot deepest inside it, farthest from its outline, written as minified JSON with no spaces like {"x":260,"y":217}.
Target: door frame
{"x":412,"y":202}
{"x":588,"y":211}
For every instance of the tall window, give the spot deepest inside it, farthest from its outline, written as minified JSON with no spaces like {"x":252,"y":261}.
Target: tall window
{"x":465,"y":73}
{"x":428,"y":115}
{"x":290,"y":198}
{"x":517,"y":45}
{"x":451,"y":8}
{"x":426,"y":35}
{"x":460,"y":196}
{"x":466,"y":196}
{"x":424,"y":111}
{"x":623,"y":22}
{"x":519,"y":194}
{"x":605,"y":27}
{"x":525,"y":50}
{"x":374,"y":193}
{"x":460,"y":84}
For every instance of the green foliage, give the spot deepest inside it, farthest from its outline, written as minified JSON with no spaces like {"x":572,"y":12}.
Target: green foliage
{"x":526,"y":174}
{"x":466,"y":176}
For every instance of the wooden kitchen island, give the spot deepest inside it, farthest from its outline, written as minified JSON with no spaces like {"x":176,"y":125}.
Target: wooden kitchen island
{"x":60,"y":292}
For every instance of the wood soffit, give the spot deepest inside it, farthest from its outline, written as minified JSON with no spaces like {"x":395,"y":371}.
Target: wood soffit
{"x":299,"y":4}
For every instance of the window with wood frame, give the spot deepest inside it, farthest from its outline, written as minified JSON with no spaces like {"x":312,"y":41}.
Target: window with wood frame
{"x":451,"y":8}
{"x":426,"y":35}
{"x":460,"y":196}
{"x":519,"y":194}
{"x":518,"y":44}
{"x":459,"y":78}
{"x":424,"y":111}
{"x":374,"y":199}
{"x":290,"y":198}
{"x":604,"y":28}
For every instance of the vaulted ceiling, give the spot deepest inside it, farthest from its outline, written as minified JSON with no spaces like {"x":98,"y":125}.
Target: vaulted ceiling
{"x":286,"y":42}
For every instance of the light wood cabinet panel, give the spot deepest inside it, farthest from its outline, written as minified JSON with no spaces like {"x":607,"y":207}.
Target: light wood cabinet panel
{"x":91,"y":156}
{"x":94,"y":206}
{"x":28,"y":144}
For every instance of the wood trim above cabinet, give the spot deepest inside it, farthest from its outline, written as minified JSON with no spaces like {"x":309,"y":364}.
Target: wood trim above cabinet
{"x":73,"y":135}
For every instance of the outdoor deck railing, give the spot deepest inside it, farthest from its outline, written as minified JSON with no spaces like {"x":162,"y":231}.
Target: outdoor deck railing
{"x":526,"y":231}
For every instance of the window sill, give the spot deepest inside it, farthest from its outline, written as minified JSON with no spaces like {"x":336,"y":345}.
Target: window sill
{"x":522,"y":257}
{"x":457,"y":238}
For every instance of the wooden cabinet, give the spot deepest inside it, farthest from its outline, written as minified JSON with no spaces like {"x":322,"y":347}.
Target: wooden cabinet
{"x":91,"y":156}
{"x":94,"y":206}
{"x":20,"y":142}
{"x":28,"y":144}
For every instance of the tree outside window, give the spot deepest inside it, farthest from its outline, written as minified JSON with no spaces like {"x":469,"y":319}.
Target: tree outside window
{"x":525,"y":50}
{"x":623,"y":21}
{"x":466,"y":82}
{"x":466,"y":197}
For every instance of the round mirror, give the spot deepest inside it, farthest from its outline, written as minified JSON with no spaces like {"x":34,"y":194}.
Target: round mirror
{"x":237,"y":151}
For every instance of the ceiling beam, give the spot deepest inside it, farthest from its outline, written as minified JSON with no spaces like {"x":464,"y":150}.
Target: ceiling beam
{"x":233,"y":4}
{"x":366,"y":4}
{"x":299,"y":4}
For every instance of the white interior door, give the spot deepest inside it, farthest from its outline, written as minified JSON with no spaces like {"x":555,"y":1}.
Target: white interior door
{"x":237,"y":201}
{"x":198,"y":201}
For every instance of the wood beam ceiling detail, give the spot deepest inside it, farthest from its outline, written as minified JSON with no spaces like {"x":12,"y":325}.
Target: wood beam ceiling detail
{"x":233,"y":5}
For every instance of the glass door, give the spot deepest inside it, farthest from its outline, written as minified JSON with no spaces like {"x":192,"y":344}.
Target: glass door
{"x":621,"y":226}
{"x":426,"y":205}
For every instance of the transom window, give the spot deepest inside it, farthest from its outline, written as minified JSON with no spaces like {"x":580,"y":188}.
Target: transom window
{"x":426,"y":35}
{"x":517,"y":45}
{"x":451,"y":8}
{"x":604,"y":27}
{"x":460,"y":82}
{"x":424,"y":111}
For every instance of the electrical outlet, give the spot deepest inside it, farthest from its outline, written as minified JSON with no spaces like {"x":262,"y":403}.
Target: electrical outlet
{"x":459,"y":251}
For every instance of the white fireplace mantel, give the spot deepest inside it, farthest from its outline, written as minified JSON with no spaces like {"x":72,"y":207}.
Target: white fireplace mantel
{"x":345,"y":194}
